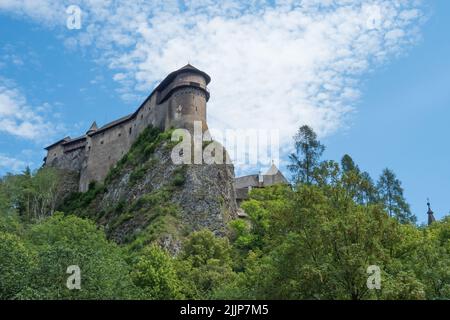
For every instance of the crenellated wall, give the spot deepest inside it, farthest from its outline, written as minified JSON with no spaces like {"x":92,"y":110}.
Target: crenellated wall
{"x":178,"y":101}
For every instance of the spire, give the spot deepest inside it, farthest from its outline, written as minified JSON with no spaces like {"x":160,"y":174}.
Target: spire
{"x":93,"y":128}
{"x":430,"y":213}
{"x":273,"y":170}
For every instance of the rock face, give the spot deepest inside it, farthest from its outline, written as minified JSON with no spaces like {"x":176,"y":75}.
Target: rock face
{"x":147,"y":198}
{"x":203,"y":193}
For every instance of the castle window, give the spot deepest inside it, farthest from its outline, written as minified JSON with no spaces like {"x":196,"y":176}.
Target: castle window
{"x":142,"y":116}
{"x":101,"y":142}
{"x":120,"y":134}
{"x":130,"y":130}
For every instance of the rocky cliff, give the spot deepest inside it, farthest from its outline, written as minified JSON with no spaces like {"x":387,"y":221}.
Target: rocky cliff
{"x":147,"y":198}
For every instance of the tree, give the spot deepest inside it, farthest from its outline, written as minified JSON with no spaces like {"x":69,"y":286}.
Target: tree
{"x":250,"y":235}
{"x":205,"y":264}
{"x":390,"y":192}
{"x":319,"y":247}
{"x":348,"y":165}
{"x":155,"y":274}
{"x":16,"y":265}
{"x":308,"y":151}
{"x":62,"y":241}
{"x":34,"y":196}
{"x":359,"y":185}
{"x":432,"y":259}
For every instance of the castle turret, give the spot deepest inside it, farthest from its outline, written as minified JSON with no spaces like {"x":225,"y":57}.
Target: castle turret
{"x":92,"y":129}
{"x":177,"y":102}
{"x":185,"y":92}
{"x":430,"y":213}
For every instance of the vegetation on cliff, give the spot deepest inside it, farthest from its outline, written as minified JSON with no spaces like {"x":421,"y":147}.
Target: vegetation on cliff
{"x":314,"y":240}
{"x":151,"y":213}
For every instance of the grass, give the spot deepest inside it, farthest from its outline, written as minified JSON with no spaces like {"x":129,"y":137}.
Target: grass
{"x":179,"y":176}
{"x":78,"y":201}
{"x":154,"y":210}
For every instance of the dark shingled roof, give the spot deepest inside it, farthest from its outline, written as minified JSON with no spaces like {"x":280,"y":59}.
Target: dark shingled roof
{"x":83,"y":137}
{"x":114,"y":123}
{"x":160,"y":87}
{"x":430,"y":213}
{"x":57,"y":142}
{"x":173,"y":75}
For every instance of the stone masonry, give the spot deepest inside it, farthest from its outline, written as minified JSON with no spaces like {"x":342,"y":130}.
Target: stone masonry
{"x":178,"y":101}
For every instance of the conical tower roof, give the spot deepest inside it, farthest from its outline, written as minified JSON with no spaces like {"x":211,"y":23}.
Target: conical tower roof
{"x":93,"y":128}
{"x":430,"y":213}
{"x":273,"y":170}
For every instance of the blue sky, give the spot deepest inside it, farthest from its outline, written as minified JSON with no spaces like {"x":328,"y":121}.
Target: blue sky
{"x":377,"y":92}
{"x":402,"y":122}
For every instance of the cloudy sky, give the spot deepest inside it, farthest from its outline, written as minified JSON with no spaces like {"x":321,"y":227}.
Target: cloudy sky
{"x":372,"y":77}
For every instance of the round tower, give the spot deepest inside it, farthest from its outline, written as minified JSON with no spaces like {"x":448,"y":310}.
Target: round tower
{"x":185,"y":92}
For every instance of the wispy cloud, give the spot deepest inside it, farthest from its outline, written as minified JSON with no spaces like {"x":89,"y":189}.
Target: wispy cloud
{"x":274,"y":65}
{"x":18,"y":118}
{"x":11,"y":164}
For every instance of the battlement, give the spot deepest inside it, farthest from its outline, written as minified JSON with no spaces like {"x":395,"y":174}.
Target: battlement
{"x":178,"y":101}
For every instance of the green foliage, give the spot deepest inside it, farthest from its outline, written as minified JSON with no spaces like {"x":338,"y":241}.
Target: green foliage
{"x":62,"y":241}
{"x":16,"y":263}
{"x":78,"y":202}
{"x":179,"y":176}
{"x":359,"y":185}
{"x":137,"y":175}
{"x":432,"y":259}
{"x":306,"y":158}
{"x":10,"y":222}
{"x":313,"y":246}
{"x":205,"y":265}
{"x":154,"y":272}
{"x":391,"y":195}
{"x":33,"y":195}
{"x":314,"y":241}
{"x":139,"y":153}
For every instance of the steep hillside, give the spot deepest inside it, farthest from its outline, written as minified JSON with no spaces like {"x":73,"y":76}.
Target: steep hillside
{"x":147,"y":198}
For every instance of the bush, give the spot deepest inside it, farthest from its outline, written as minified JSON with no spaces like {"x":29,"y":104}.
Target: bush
{"x":179,"y":176}
{"x":154,"y":272}
{"x":16,"y":265}
{"x":62,"y":241}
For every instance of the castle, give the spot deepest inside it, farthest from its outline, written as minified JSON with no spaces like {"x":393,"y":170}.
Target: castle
{"x":178,"y":101}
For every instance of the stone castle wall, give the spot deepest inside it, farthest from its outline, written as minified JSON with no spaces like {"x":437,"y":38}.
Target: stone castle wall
{"x":177,"y":102}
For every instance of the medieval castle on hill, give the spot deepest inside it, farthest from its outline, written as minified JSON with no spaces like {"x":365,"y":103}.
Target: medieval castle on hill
{"x":178,"y":101}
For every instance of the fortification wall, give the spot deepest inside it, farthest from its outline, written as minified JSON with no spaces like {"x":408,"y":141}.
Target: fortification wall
{"x":177,"y":103}
{"x":104,"y":150}
{"x":71,"y":161}
{"x":54,"y":154}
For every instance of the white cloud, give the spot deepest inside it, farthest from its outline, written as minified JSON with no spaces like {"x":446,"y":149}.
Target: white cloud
{"x":8,"y":164}
{"x":273,"y":66}
{"x":17,"y":118}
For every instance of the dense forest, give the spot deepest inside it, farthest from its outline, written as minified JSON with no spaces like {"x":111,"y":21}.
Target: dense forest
{"x":314,"y":239}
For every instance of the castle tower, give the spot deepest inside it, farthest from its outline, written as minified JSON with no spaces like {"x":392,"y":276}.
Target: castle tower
{"x":185,"y":93}
{"x":177,"y":102}
{"x":92,"y":129}
{"x":430,"y":213}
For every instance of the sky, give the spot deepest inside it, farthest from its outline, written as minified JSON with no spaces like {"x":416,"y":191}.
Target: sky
{"x":371,"y":77}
